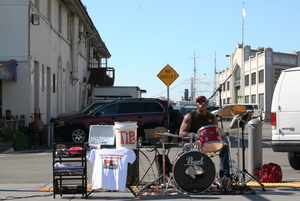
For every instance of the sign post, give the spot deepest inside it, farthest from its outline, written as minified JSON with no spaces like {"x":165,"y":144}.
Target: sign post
{"x":168,"y":75}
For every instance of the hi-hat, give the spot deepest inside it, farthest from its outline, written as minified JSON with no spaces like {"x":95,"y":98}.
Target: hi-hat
{"x":231,"y":110}
{"x":167,"y":134}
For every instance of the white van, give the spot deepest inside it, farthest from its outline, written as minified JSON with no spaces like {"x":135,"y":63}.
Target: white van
{"x":285,"y":114}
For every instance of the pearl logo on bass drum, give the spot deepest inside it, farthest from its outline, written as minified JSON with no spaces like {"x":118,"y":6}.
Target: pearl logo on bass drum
{"x":190,"y":161}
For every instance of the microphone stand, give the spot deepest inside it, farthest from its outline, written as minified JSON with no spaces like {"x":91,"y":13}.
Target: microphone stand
{"x":220,"y":99}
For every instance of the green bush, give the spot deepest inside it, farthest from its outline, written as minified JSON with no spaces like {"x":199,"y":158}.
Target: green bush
{"x":18,"y":137}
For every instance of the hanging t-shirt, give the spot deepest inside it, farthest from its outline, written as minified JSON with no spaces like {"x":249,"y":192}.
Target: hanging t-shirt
{"x":110,"y":167}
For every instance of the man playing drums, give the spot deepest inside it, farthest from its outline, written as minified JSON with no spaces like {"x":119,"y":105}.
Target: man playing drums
{"x":193,"y":121}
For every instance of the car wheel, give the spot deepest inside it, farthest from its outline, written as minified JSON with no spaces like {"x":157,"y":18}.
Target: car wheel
{"x":294,"y":160}
{"x":78,"y":134}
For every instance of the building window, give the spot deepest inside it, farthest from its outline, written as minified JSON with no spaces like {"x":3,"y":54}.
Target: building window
{"x":277,"y":73}
{"x":253,"y":98}
{"x":247,"y":99}
{"x":60,"y":18}
{"x":261,"y":102}
{"x":261,"y":76}
{"x":43,"y":78}
{"x":69,"y":28}
{"x":246,"y":80}
{"x":237,"y":74}
{"x":37,"y":4}
{"x":237,"y":77}
{"x":228,"y":84}
{"x":49,"y":10}
{"x":53,"y":81}
{"x":253,"y":78}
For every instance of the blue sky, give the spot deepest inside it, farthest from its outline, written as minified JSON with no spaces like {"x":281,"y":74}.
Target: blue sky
{"x":143,"y":36}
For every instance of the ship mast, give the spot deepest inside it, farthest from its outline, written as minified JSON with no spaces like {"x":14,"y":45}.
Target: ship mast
{"x":193,"y":82}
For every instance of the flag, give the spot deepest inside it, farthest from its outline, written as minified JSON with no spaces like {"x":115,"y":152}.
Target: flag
{"x":244,"y":12}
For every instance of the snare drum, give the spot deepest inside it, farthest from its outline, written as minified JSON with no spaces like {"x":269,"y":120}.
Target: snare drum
{"x":210,"y":140}
{"x":193,"y":171}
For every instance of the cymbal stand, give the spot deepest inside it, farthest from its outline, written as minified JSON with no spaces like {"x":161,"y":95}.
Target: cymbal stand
{"x":244,"y":171}
{"x":239,"y":175}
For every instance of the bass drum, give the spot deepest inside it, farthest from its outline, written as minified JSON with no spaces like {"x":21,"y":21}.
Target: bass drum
{"x":194,"y":172}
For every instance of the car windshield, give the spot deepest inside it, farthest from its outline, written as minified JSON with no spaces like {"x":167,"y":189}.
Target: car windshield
{"x":92,"y":106}
{"x":185,"y":110}
{"x":249,"y":107}
{"x":212,"y":108}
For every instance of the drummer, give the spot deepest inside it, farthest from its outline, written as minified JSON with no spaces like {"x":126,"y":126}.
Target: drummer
{"x":193,"y":121}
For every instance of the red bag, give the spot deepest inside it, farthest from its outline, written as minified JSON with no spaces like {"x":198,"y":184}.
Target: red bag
{"x":269,"y":173}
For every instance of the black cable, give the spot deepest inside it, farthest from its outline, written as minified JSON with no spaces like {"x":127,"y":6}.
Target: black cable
{"x":31,"y":196}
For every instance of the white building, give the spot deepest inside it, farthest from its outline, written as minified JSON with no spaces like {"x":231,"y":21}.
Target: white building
{"x":51,"y":54}
{"x":253,"y":74}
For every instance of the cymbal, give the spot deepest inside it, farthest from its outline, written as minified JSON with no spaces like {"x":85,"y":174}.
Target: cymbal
{"x":231,"y":110}
{"x":228,"y":133}
{"x":167,"y":134}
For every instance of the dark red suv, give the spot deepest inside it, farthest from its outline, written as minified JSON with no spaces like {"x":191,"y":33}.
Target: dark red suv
{"x":147,"y":112}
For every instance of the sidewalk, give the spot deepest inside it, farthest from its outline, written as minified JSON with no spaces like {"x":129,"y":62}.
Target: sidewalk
{"x":30,"y":192}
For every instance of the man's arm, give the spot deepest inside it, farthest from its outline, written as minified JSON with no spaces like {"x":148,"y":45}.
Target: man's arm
{"x":185,"y":126}
{"x":216,"y":121}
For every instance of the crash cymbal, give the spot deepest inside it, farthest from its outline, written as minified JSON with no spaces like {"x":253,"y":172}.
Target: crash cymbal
{"x":228,"y":133}
{"x":231,"y":110}
{"x":167,"y":134}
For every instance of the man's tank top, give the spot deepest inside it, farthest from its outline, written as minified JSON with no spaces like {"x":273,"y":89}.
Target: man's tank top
{"x":199,"y":120}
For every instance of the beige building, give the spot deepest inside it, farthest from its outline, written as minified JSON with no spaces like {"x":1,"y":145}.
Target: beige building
{"x":51,"y":54}
{"x":253,"y":74}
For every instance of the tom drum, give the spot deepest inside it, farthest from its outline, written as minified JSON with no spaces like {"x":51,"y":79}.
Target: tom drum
{"x":210,"y":140}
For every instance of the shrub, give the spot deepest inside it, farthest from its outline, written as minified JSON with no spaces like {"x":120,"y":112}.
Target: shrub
{"x":18,"y":137}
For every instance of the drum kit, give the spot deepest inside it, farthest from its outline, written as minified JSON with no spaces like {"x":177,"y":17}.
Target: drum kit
{"x":193,"y":170}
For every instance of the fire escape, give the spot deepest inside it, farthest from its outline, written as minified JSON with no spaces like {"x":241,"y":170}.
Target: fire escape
{"x":99,"y":74}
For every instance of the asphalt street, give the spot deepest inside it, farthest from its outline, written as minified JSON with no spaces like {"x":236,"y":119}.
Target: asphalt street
{"x":24,"y":173}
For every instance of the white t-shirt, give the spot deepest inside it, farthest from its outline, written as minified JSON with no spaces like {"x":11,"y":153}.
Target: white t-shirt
{"x":110,"y":167}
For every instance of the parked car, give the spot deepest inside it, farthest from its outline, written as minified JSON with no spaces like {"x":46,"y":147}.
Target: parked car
{"x":149,"y":113}
{"x":87,"y":109}
{"x":191,"y":108}
{"x":187,"y":109}
{"x":212,"y":108}
{"x":257,"y":112}
{"x":252,"y":108}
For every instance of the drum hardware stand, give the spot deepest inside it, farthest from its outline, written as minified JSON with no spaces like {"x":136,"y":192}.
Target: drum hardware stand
{"x":170,"y":178}
{"x":239,"y":175}
{"x":164,"y":176}
{"x":233,"y":165}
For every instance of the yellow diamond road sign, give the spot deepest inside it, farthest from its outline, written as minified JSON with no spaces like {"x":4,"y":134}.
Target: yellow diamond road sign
{"x":168,"y":75}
